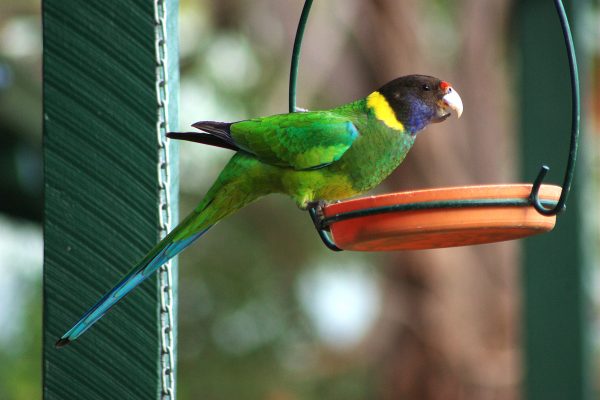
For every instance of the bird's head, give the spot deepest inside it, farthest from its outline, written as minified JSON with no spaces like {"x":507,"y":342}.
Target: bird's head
{"x":414,"y":101}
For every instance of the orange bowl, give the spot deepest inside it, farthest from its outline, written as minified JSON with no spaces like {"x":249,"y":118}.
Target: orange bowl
{"x":428,"y":228}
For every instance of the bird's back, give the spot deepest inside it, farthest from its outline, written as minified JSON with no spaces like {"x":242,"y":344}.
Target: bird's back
{"x":373,"y":156}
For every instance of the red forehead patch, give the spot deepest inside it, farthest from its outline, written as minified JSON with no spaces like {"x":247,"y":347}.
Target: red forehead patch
{"x":444,"y":85}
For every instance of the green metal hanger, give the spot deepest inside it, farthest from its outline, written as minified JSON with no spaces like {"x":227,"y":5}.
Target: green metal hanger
{"x":322,"y":223}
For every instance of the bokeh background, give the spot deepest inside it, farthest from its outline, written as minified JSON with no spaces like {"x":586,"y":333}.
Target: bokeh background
{"x":265,"y":311}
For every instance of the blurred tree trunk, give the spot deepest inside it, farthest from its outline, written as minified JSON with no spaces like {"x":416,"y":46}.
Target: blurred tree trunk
{"x":450,"y":325}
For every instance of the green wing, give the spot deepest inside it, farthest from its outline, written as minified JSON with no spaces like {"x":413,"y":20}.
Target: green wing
{"x":304,"y":140}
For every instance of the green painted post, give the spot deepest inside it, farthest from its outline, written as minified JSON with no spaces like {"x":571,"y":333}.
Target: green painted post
{"x":554,"y":299}
{"x":104,"y":172}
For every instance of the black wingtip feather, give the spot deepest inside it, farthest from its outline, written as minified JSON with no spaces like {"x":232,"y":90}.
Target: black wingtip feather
{"x":213,"y":133}
{"x":204,"y":138}
{"x":219,"y":128}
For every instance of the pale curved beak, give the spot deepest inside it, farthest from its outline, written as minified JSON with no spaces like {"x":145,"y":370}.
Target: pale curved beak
{"x":453,"y":101}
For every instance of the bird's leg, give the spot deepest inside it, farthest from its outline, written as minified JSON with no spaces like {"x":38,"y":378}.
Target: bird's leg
{"x":319,"y":205}
{"x":316,"y":210}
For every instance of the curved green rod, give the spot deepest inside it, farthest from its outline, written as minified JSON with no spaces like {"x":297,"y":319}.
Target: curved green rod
{"x":321,"y":223}
{"x":575,"y":111}
{"x":296,"y":53}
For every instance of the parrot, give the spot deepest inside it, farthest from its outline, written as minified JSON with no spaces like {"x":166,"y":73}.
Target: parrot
{"x":311,"y":156}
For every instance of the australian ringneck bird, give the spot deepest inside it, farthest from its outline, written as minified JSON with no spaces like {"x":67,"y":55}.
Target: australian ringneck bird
{"x":311,"y":156}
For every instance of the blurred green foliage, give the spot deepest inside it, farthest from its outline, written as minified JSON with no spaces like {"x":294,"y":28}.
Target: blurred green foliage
{"x":20,"y":358}
{"x":243,"y":331}
{"x":20,"y":199}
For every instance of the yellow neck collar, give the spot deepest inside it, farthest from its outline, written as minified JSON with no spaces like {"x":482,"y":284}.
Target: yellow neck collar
{"x":383,"y":112}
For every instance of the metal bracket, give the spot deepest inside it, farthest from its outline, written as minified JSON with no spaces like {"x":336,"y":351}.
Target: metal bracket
{"x":167,"y":357}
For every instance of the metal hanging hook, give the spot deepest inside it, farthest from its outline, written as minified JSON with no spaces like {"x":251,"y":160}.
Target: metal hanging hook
{"x":533,"y":199}
{"x":296,"y":54}
{"x":575,"y":111}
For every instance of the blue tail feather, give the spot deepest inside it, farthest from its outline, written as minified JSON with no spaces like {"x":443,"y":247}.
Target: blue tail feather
{"x":136,"y":276}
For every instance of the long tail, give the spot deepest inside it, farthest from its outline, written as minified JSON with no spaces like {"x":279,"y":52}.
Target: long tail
{"x":160,"y":254}
{"x":233,"y":190}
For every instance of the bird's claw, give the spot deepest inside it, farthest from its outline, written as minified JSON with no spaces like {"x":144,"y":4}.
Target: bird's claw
{"x":319,"y":215}
{"x":318,"y":205}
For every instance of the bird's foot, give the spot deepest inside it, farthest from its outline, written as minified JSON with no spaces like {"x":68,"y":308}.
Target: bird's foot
{"x":318,"y":205}
{"x":316,"y":210}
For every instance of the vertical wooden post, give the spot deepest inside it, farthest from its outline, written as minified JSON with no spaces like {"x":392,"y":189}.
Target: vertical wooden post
{"x":554,"y":294}
{"x":102,"y":191}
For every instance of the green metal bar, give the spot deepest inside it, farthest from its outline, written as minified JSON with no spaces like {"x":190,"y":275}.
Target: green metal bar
{"x":554,"y":300}
{"x":575,"y":119}
{"x":102,"y":195}
{"x":296,"y":53}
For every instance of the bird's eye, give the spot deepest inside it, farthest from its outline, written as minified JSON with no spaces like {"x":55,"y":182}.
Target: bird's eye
{"x":426,"y":87}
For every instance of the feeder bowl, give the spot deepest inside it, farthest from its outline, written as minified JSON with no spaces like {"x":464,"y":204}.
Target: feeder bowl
{"x":435,"y":218}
